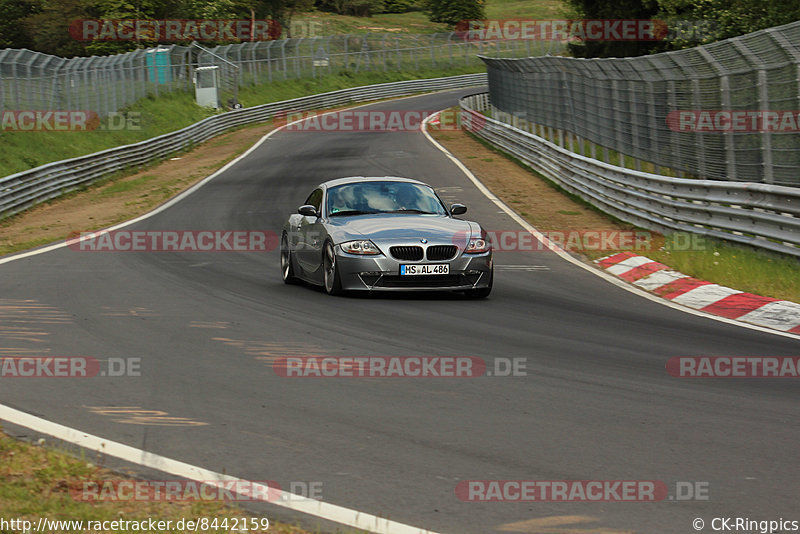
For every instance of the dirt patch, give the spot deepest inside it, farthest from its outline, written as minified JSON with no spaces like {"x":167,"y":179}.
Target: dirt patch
{"x":119,"y":199}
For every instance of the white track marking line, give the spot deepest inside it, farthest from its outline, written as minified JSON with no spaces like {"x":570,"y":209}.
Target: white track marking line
{"x":331,"y":512}
{"x":561,"y":253}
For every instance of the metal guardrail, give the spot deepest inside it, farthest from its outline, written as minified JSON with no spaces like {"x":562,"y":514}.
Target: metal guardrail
{"x":760,"y":215}
{"x":25,"y":189}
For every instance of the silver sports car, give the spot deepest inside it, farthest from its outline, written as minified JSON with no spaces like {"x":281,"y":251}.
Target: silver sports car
{"x":384,"y":234}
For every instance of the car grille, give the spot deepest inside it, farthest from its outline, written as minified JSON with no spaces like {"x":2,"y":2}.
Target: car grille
{"x":406,"y":253}
{"x":439,"y":280}
{"x":441,"y":252}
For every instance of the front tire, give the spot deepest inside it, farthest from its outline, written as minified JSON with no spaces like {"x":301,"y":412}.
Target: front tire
{"x":287,"y":266}
{"x":333,"y":285}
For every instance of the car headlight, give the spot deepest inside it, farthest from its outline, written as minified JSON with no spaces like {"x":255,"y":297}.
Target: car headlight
{"x":477,"y":246}
{"x":363,"y":247}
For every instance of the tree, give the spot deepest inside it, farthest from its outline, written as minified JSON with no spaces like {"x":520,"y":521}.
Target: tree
{"x":281,"y":11}
{"x":357,"y":8}
{"x":705,"y":21}
{"x":687,"y":23}
{"x":619,"y":9}
{"x":12,"y":32}
{"x":48,"y":28}
{"x":452,"y":12}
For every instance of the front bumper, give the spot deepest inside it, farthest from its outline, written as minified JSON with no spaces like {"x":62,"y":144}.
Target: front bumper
{"x":382,"y":273}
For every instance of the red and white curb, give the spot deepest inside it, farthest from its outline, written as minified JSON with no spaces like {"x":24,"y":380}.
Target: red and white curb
{"x":711,"y":298}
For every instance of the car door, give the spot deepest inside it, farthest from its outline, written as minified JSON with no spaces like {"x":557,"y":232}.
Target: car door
{"x":310,"y":238}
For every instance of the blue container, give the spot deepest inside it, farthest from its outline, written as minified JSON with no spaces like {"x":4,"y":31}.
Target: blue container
{"x":159,"y":65}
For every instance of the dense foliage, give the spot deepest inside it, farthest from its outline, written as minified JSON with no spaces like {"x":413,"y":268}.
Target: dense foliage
{"x":454,"y":11}
{"x":688,"y":22}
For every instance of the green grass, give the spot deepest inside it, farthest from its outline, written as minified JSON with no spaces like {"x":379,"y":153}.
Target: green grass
{"x":121,"y":187}
{"x":538,"y":9}
{"x":740,"y":267}
{"x":24,"y":150}
{"x":320,"y":23}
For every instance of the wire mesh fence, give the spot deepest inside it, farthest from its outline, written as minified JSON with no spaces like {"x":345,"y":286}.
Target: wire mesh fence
{"x":727,"y":111}
{"x":35,"y":81}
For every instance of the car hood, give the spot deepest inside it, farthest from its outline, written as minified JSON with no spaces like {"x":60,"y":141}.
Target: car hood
{"x":392,"y":227}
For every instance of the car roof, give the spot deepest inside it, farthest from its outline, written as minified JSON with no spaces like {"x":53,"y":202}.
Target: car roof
{"x":362,"y":179}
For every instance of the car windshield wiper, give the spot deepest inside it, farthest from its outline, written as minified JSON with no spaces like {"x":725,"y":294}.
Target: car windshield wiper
{"x":352,"y":212}
{"x":411,"y":211}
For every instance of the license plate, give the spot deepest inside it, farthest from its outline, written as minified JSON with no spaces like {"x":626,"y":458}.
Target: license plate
{"x":417,"y":270}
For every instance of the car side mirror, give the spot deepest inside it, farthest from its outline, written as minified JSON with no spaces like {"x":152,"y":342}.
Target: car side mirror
{"x":307,"y":210}
{"x":458,"y":209}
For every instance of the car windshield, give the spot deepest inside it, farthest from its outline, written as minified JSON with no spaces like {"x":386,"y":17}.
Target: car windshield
{"x":382,"y":197}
